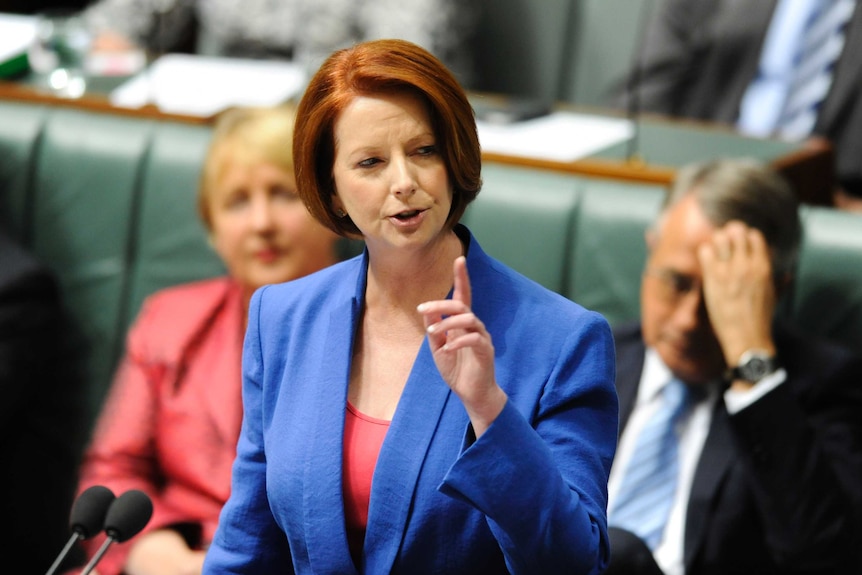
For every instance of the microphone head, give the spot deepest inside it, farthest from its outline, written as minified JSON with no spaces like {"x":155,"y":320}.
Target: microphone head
{"x":89,"y":510}
{"x":128,"y":514}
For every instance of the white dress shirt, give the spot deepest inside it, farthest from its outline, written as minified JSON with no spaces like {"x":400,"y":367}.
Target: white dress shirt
{"x":693,"y":431}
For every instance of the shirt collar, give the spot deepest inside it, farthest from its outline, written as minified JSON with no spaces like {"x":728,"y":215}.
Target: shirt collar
{"x":654,"y":377}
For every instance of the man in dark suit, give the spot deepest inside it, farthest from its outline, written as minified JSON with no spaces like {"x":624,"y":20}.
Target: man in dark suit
{"x":39,"y":412}
{"x":770,"y":450}
{"x":699,"y":58}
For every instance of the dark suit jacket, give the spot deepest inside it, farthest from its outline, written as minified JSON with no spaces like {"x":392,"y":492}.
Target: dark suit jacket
{"x":777,"y":486}
{"x":40,"y":428}
{"x":699,"y":56}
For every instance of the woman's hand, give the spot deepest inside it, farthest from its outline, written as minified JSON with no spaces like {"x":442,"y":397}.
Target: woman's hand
{"x":163,"y":552}
{"x":464,"y":352}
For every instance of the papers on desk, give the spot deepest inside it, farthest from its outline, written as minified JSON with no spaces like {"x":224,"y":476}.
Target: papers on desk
{"x":16,"y":35}
{"x":559,"y":136}
{"x":203,"y":86}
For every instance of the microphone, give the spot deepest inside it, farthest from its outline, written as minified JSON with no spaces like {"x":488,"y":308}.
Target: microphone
{"x":87,"y":518}
{"x":125,"y":518}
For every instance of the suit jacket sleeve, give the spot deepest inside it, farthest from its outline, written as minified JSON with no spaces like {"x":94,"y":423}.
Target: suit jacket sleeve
{"x":698,"y":58}
{"x":29,"y":319}
{"x":668,"y":54}
{"x":543,"y":486}
{"x":803,"y":445}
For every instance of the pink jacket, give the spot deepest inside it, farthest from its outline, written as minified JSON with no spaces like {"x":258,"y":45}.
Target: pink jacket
{"x":171,"y":421}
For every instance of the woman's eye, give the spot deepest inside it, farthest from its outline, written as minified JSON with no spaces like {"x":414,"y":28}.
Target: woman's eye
{"x":285,"y":192}
{"x":367,"y":163}
{"x":236,"y":201}
{"x":427,"y":150}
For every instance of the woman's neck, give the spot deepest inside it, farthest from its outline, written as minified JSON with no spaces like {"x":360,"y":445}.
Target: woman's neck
{"x":407,"y":280}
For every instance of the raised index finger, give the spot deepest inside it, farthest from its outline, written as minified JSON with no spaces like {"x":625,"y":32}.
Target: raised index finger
{"x":462,"y":291}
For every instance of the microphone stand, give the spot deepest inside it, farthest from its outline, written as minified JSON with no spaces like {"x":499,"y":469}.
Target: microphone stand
{"x":633,"y":155}
{"x":98,"y":556}
{"x":56,"y":565}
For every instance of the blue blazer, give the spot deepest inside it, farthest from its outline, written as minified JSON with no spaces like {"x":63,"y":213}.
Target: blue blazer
{"x":529,"y":496}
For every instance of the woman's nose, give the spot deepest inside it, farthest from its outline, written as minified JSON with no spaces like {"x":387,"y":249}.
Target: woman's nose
{"x":261,"y":213}
{"x":403,"y":181}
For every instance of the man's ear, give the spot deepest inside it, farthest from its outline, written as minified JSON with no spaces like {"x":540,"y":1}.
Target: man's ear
{"x":650,"y":238}
{"x":782,"y":283}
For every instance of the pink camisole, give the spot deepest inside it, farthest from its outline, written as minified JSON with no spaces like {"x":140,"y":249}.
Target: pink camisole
{"x":363,"y":436}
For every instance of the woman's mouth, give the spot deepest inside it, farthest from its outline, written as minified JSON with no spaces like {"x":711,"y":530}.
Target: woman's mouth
{"x":266,"y":256}
{"x":408,"y":217}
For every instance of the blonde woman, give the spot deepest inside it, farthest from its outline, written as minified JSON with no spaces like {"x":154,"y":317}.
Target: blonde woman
{"x":172,"y":419}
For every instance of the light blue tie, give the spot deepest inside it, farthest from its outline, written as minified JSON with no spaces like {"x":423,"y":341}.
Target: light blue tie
{"x":821,"y":47}
{"x":648,"y":486}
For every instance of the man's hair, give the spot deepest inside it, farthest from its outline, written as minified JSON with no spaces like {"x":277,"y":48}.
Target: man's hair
{"x":747,"y":190}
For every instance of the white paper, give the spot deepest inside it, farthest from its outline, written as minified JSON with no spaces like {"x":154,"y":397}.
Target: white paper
{"x":559,"y":136}
{"x":16,"y":35}
{"x":202,"y":86}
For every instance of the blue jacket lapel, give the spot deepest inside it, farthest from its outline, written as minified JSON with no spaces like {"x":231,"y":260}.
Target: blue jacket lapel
{"x":323,"y":502}
{"x":400,"y":462}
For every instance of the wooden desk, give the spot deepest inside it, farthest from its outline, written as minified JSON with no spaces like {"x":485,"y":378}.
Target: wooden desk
{"x":92,"y":101}
{"x":663,"y":146}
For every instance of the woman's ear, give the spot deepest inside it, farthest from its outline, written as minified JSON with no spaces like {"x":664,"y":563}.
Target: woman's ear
{"x":337,"y":206}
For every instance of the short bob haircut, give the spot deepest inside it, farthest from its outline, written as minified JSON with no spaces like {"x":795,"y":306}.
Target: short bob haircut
{"x":245,"y":136}
{"x":382,"y":67}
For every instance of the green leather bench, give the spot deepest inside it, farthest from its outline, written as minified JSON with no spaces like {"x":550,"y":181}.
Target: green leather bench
{"x":108,"y":202}
{"x":584,"y":238}
{"x":575,"y":51}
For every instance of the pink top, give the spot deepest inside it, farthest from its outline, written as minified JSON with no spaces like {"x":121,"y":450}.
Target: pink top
{"x":363,"y":436}
{"x":171,"y":421}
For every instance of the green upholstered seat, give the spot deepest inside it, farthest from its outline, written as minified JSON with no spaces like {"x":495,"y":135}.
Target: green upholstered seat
{"x":521,"y":47}
{"x":608,"y":247}
{"x":87,"y":173}
{"x":170,"y":241}
{"x":108,"y":201}
{"x":827,"y":295}
{"x":573,"y":51}
{"x":20,"y":130}
{"x":605,"y":35}
{"x":524,"y":218}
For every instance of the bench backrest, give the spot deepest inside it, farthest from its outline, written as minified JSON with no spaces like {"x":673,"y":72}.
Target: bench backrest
{"x":107,"y":201}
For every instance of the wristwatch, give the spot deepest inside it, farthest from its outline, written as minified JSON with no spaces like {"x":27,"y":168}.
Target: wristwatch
{"x":754,"y":365}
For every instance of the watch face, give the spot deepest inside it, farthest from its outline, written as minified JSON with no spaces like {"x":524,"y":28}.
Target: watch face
{"x":756,"y":368}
